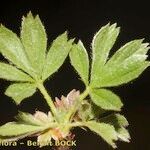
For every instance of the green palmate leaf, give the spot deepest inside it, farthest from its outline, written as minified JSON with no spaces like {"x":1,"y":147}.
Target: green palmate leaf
{"x":125,"y":65}
{"x":80,"y":61}
{"x":12,"y":49}
{"x":34,"y":40}
{"x":106,"y":131}
{"x":103,"y":41}
{"x":56,"y":55}
{"x":20,"y":91}
{"x":15,"y":129}
{"x":11,"y":73}
{"x":106,"y":99}
{"x":119,"y":122}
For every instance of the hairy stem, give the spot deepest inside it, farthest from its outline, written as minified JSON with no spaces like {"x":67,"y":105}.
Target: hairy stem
{"x":84,"y":94}
{"x":47,"y":98}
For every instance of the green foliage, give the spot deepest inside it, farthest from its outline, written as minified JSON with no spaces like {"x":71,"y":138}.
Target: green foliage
{"x":30,"y":64}
{"x":20,"y":91}
{"x":34,"y":40}
{"x":106,"y":99}
{"x":125,"y":65}
{"x":101,"y":45}
{"x":119,"y":122}
{"x":43,"y":139}
{"x":26,"y":125}
{"x":27,"y":118}
{"x":86,"y":111}
{"x":56,"y":55}
{"x":80,"y":61}
{"x":11,"y":73}
{"x":106,"y":131}
{"x":12,"y":49}
{"x":8,"y":129}
{"x":30,"y":56}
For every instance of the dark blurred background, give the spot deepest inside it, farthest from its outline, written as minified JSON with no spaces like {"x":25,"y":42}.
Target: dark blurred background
{"x":82,"y":18}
